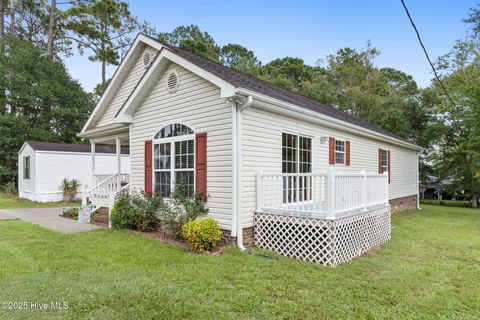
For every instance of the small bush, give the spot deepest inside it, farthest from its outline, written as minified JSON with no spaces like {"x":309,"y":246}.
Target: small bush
{"x":9,"y":189}
{"x":181,"y":209}
{"x":202,"y":234}
{"x":70,"y":188}
{"x":70,"y":212}
{"x":135,"y":210}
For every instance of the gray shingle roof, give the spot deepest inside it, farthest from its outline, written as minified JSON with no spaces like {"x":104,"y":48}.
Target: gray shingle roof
{"x":242,"y":80}
{"x":66,"y":147}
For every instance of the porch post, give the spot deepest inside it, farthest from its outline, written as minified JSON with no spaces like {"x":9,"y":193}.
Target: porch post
{"x":92,"y":163}
{"x":118,"y":146}
{"x":330,"y":193}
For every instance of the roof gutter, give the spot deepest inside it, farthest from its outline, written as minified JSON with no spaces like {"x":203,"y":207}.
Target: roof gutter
{"x":327,"y":121}
{"x":111,"y":129}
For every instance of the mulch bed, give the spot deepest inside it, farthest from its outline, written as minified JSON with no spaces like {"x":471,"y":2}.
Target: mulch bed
{"x":164,"y":235}
{"x":161,"y":234}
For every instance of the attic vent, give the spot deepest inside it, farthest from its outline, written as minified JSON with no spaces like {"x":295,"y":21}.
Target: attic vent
{"x":172,"y":82}
{"x":146,"y":59}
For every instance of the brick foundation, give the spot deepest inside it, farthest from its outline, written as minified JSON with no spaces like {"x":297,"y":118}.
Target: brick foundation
{"x":247,"y":237}
{"x":404,"y":203}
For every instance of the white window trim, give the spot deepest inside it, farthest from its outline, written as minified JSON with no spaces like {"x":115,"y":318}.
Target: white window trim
{"x":344,"y":152}
{"x":312,"y":143}
{"x":312,"y":156}
{"x":172,"y":169}
{"x":386,"y":166}
{"x":305,"y":135}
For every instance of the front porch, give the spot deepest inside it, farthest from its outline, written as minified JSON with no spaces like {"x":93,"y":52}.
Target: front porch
{"x":104,"y":187}
{"x":328,"y":217}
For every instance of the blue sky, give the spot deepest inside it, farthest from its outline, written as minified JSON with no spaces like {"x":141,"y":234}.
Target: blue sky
{"x":309,"y":29}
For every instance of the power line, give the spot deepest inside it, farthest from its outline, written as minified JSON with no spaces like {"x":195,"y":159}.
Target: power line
{"x":426,"y":53}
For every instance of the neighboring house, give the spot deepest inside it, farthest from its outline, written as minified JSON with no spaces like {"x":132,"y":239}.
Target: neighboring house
{"x":264,"y":156}
{"x":43,"y":165}
{"x":436,"y":188}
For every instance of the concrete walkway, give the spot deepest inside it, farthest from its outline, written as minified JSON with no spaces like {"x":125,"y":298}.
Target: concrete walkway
{"x":46,"y":217}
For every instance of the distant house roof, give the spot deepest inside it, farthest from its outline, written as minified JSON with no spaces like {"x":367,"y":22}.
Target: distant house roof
{"x":66,"y":147}
{"x":243,"y":80}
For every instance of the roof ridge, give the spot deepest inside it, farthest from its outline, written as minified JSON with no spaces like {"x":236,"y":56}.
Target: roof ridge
{"x":314,"y":105}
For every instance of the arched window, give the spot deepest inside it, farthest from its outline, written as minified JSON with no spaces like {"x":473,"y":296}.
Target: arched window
{"x":174,"y":159}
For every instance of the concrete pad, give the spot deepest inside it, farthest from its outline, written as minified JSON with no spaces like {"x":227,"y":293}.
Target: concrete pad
{"x":48,"y":218}
{"x":5,"y":216}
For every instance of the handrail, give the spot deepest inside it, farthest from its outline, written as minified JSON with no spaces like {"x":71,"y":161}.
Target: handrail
{"x":328,"y":193}
{"x":101,"y":193}
{"x":100,"y":183}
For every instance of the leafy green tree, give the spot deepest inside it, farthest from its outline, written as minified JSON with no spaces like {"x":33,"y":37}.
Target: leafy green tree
{"x":103,"y":27}
{"x":457,"y":154}
{"x":40,"y":101}
{"x":192,"y":39}
{"x":289,"y":73}
{"x":240,"y":58}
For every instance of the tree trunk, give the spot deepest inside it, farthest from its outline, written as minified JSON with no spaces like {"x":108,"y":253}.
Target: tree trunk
{"x":51,"y":26}
{"x":474,"y":200}
{"x":2,"y":18}
{"x":12,"y":17}
{"x":104,"y":75}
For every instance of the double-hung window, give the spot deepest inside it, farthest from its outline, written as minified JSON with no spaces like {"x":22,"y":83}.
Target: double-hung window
{"x":174,"y":159}
{"x":384,"y":161}
{"x":296,"y":158}
{"x":339,"y":152}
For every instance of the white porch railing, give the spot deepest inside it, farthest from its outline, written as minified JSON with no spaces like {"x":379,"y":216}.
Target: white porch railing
{"x":327,"y":194}
{"x":99,"y":178}
{"x":100,"y":195}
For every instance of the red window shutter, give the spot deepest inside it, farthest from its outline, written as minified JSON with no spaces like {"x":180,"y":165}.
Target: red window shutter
{"x":148,"y":167}
{"x":347,"y":153}
{"x":380,"y":160}
{"x":389,"y":175}
{"x":331,"y":150}
{"x":201,"y":164}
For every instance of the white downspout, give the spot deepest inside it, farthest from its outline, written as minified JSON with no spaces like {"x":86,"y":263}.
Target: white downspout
{"x":234,"y":169}
{"x":238,"y":166}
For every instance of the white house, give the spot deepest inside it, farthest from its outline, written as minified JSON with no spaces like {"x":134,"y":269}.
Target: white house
{"x":271,"y":162}
{"x":43,"y":165}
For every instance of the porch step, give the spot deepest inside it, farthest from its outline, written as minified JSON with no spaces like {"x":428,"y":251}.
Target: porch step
{"x":101,"y":217}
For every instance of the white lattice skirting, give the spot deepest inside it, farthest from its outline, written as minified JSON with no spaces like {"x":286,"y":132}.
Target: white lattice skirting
{"x":329,"y":242}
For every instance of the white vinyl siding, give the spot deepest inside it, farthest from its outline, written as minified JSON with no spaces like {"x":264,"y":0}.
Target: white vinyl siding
{"x":262,"y":150}
{"x":124,"y":91}
{"x":49,"y":168}
{"x":196,"y":103}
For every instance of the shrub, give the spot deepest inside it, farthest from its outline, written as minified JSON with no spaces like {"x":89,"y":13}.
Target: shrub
{"x":202,"y":234}
{"x":9,"y":189}
{"x":70,"y":189}
{"x":181,"y":209}
{"x":135,"y":210}
{"x":70,"y":212}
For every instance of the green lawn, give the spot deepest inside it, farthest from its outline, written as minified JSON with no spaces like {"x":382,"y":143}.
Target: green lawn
{"x":429,"y":270}
{"x":12,"y":202}
{"x":448,"y":203}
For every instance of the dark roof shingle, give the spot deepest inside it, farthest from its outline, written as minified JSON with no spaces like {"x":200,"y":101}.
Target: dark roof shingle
{"x":242,"y":80}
